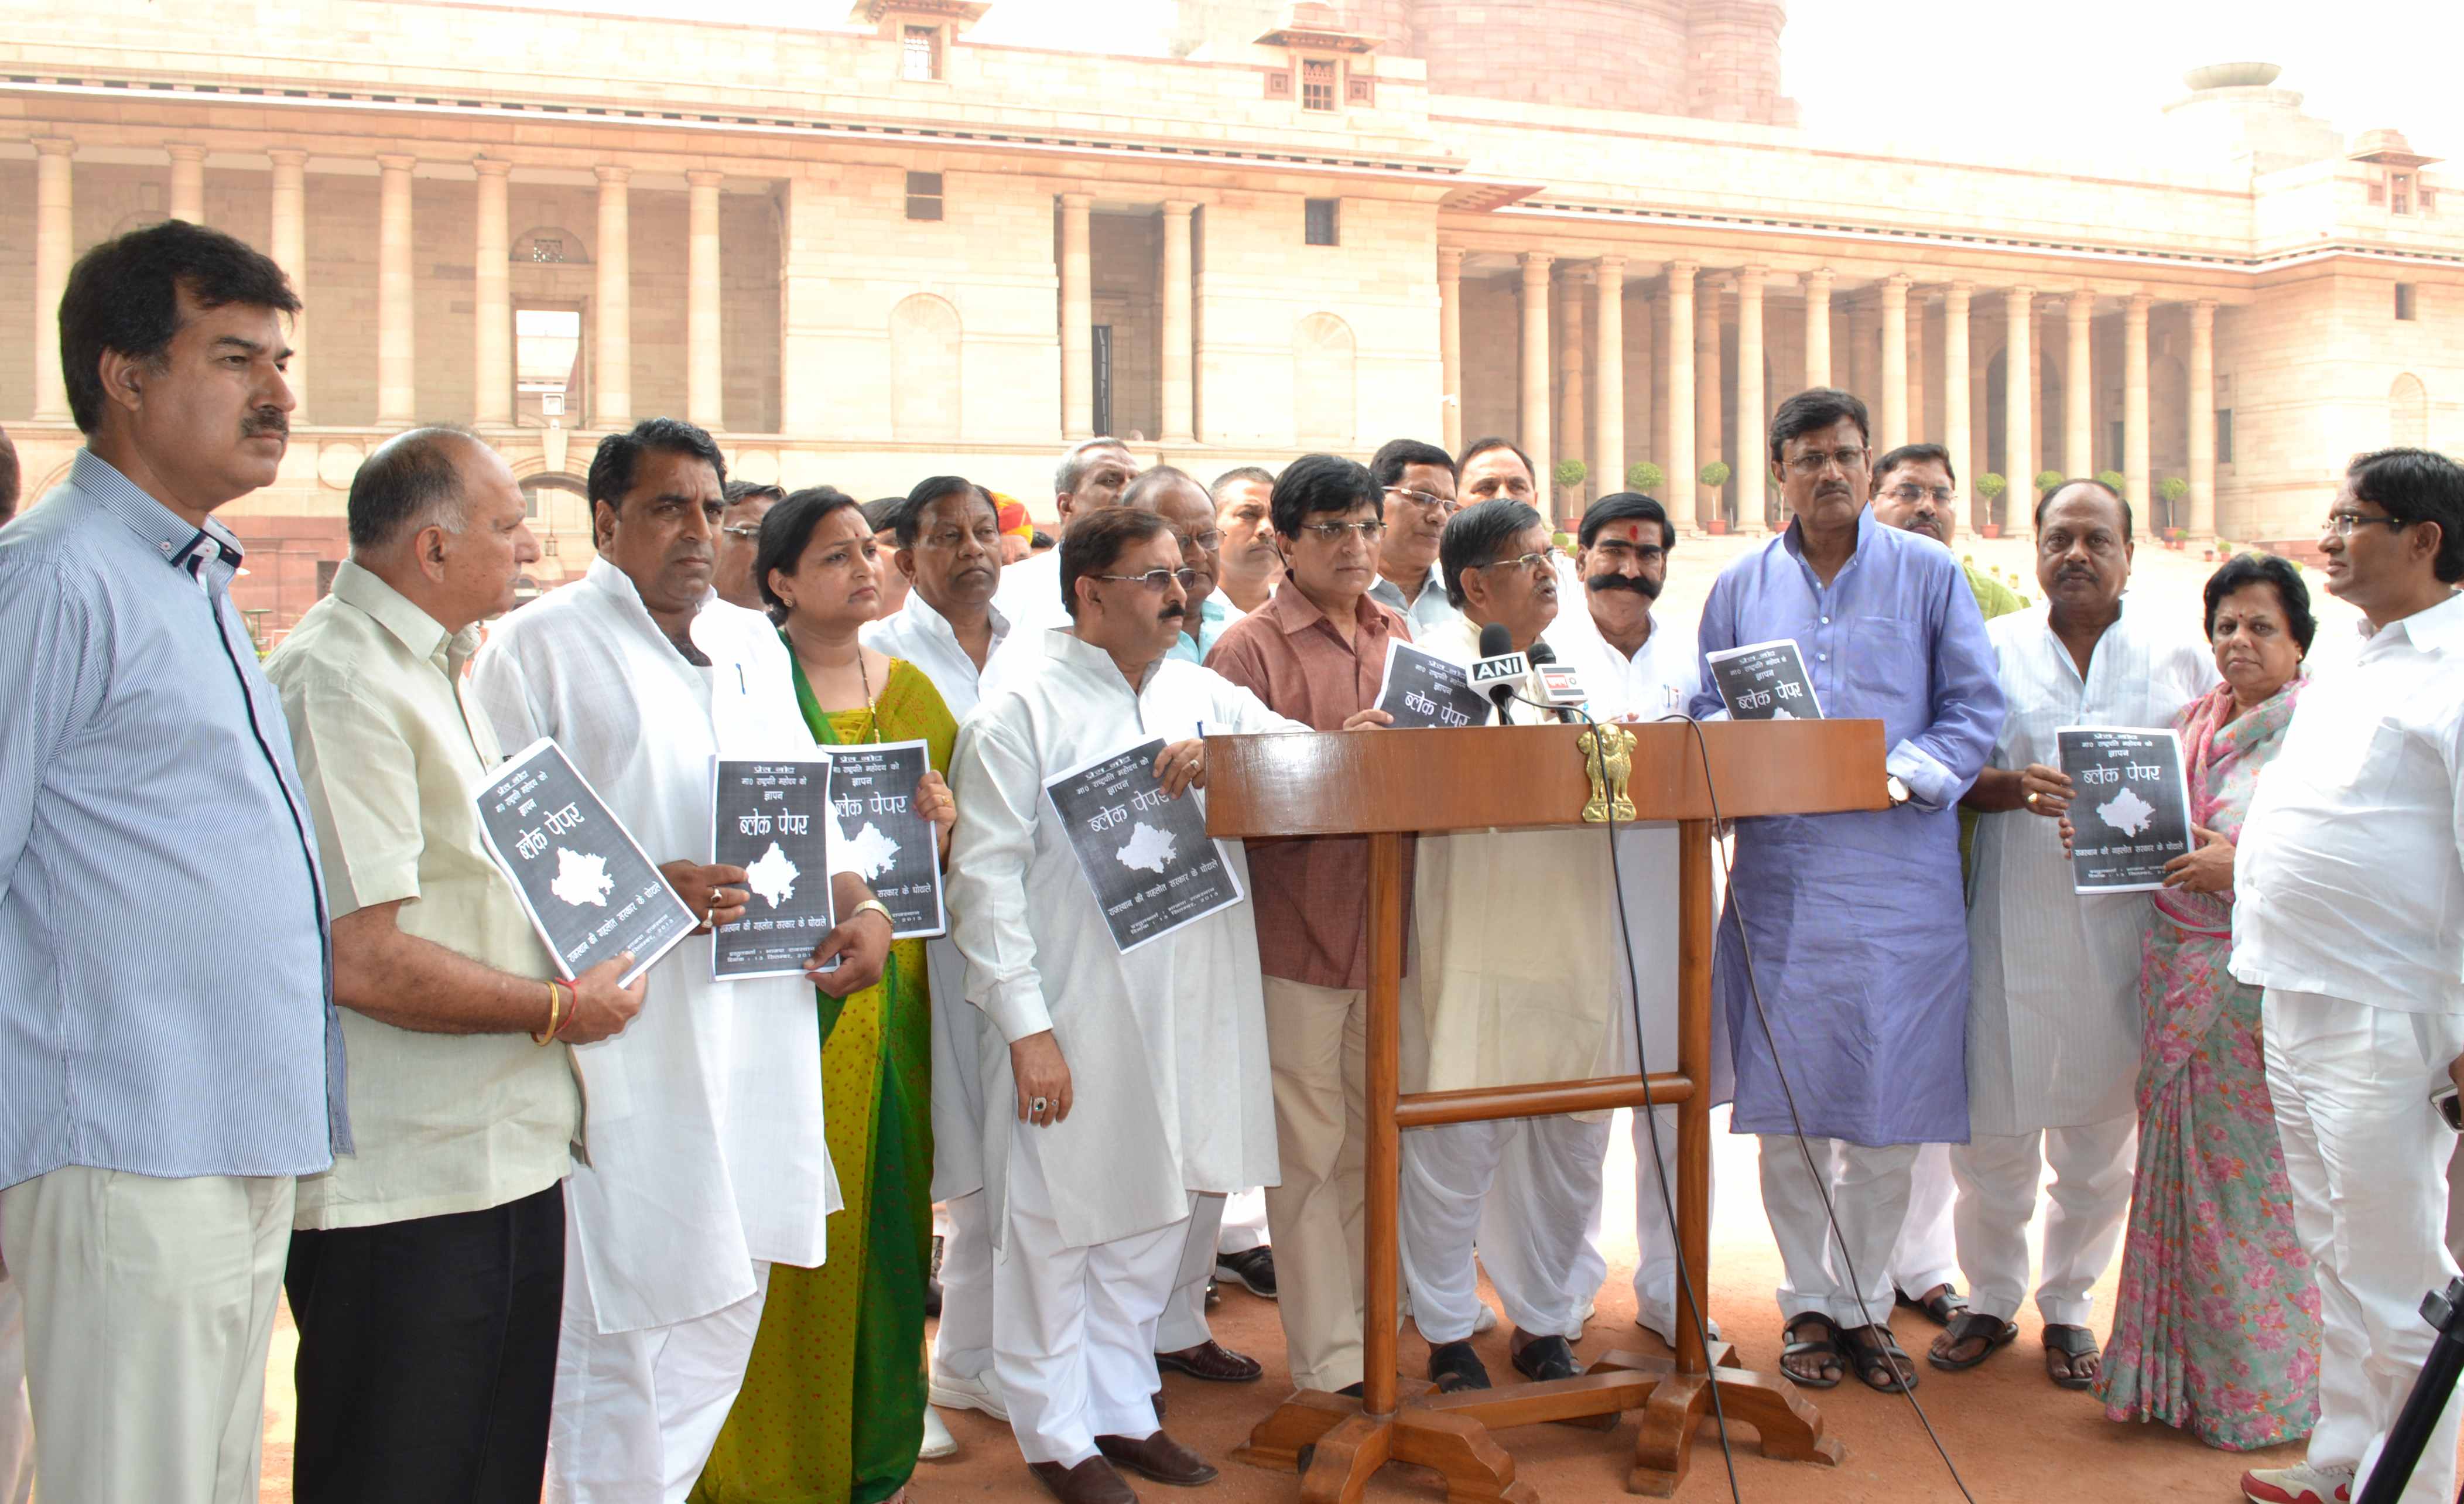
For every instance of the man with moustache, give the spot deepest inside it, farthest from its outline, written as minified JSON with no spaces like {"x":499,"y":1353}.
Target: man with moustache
{"x":1497,"y":1010}
{"x":169,"y":1057}
{"x":739,"y":538}
{"x":2349,"y":911}
{"x":1177,"y":497}
{"x":706,"y":1157}
{"x":1416,"y":483}
{"x":1916,"y":491}
{"x":426,"y":1273}
{"x":1317,"y":653}
{"x":1867,"y":1002}
{"x":1093,"y":474}
{"x":1250,"y":568}
{"x":1139,"y":1077}
{"x":2053,"y":1015}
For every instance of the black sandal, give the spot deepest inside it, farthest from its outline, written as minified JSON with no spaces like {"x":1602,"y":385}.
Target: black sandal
{"x":2073,"y":1342}
{"x":1880,"y":1362}
{"x":1943,"y":1309}
{"x":1454,"y":1367}
{"x":1970,"y":1327}
{"x":1823,"y":1348}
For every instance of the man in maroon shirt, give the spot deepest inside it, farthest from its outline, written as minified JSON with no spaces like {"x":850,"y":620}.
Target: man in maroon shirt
{"x":1316,"y":651}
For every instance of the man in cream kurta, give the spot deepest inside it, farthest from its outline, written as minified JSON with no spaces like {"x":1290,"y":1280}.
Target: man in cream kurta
{"x":2053,"y":1017}
{"x":706,"y":1157}
{"x":1166,"y":1093}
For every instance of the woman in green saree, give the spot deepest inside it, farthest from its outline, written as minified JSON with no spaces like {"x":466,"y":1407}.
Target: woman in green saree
{"x":832,"y":1410}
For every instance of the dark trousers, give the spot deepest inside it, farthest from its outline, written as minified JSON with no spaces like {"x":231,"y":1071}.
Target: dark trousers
{"x":428,"y":1355}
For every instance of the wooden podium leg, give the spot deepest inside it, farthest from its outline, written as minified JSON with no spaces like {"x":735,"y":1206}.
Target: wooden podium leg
{"x":1790,"y":1428}
{"x":1278,"y":1441}
{"x":1476,"y":1469}
{"x":1347,"y":1457}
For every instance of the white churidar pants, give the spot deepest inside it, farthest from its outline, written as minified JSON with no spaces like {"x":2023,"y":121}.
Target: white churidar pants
{"x":1655,"y":1268}
{"x":1927,"y":1252}
{"x":17,"y":1419}
{"x":1317,"y":1041}
{"x":148,"y":1305}
{"x":1527,"y":1192}
{"x":2368,"y":1159}
{"x":637,"y":1412}
{"x":1998,"y":1178}
{"x":962,"y":1344}
{"x":1183,"y":1322}
{"x":1074,"y":1328}
{"x":1869,"y":1194}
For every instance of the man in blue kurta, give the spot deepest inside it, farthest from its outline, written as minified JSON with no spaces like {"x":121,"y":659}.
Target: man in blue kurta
{"x":1849,"y":926}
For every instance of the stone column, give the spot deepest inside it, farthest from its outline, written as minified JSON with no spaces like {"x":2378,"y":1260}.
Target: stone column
{"x":1917,"y":429}
{"x":188,"y":182}
{"x":1957,"y":434}
{"x":1894,"y":380}
{"x":1608,"y":390}
{"x":1572,"y":393}
{"x":1709,"y":425}
{"x":289,"y":245}
{"x":1535,"y":370}
{"x":1817,"y":327}
{"x":1680,"y":463}
{"x":705,"y":366}
{"x":1752,"y":420}
{"x":613,"y":408}
{"x":1179,"y":392}
{"x":492,"y":309}
{"x":2134,"y":409}
{"x":55,"y":243}
{"x":2202,"y":405}
{"x":2018,"y":404}
{"x":2079,"y":388}
{"x":1077,"y":319}
{"x":397,"y":366}
{"x":1450,"y":346}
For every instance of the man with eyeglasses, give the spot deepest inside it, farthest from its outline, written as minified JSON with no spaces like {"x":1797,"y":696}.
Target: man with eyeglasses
{"x":1139,"y":1077}
{"x":1091,"y":477}
{"x":2349,"y":911}
{"x":1858,"y":944}
{"x":1175,"y":496}
{"x":739,"y":538}
{"x":1316,"y":651}
{"x":1249,"y":567}
{"x":1415,"y":484}
{"x":1917,"y":491}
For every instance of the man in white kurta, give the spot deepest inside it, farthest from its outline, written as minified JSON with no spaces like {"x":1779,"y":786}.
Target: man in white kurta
{"x":1500,"y":1005}
{"x":706,"y":1160}
{"x":2053,"y":1017}
{"x":1092,"y":474}
{"x":1121,"y":1087}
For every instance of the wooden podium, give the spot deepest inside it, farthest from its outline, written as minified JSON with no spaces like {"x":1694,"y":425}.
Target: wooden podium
{"x":1387,"y":785}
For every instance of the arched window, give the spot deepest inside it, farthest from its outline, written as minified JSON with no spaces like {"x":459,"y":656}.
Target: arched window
{"x":924,"y":369}
{"x":1324,"y":393}
{"x":2408,"y":412}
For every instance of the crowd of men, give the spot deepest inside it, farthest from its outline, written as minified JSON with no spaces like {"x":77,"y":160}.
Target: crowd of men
{"x":272,"y":1022}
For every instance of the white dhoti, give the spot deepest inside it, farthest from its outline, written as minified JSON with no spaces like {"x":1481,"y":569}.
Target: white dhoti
{"x":1998,"y":1175}
{"x":1183,"y":1322}
{"x":2367,"y":1160}
{"x":962,"y":1344}
{"x":1927,"y":1252}
{"x":1869,"y":1195}
{"x":1527,"y":1191}
{"x":1076,"y":1326}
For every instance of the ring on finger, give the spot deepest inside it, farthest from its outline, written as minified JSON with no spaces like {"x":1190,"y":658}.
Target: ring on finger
{"x":1039,"y":1106}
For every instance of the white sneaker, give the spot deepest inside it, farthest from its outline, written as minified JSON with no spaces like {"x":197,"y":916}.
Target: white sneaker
{"x":982,"y":1392}
{"x":1485,"y":1321}
{"x":2299,"y":1484}
{"x":938,"y":1443}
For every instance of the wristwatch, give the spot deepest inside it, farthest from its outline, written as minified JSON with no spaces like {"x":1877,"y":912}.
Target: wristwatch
{"x":876,"y":906}
{"x":1898,"y":790}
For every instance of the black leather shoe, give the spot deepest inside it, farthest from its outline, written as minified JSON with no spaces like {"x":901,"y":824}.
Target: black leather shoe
{"x":1254,"y":1271}
{"x":1454,"y":1367}
{"x":1546,"y":1357}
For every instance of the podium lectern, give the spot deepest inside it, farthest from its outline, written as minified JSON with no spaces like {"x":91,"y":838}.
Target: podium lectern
{"x":1389,"y":785}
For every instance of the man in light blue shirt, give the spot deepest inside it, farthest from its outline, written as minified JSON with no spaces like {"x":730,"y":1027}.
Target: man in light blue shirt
{"x":1415,"y":486}
{"x":169,"y":1058}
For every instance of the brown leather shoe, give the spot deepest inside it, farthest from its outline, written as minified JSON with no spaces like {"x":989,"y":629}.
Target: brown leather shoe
{"x":1090,"y":1482}
{"x":1212,"y":1362}
{"x":1158,"y":1457}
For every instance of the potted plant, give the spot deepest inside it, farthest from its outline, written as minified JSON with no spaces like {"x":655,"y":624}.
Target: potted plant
{"x":1715,"y":475}
{"x":1569,"y":475}
{"x":2114,"y":480}
{"x":1646,"y":477}
{"x":2171,"y":491}
{"x":1990,"y":487}
{"x":2047,"y":481}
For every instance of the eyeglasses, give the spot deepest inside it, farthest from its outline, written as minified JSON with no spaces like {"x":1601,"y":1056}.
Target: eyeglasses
{"x":1908,"y":493}
{"x":2342,"y":524}
{"x":748,"y":531}
{"x":1537,"y":563}
{"x":1847,"y":459}
{"x":1211,"y":541}
{"x":1440,"y":505}
{"x":1336,"y":532}
{"x":1157,"y":579}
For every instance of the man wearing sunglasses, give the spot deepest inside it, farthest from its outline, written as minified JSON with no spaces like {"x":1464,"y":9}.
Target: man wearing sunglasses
{"x":2349,"y":911}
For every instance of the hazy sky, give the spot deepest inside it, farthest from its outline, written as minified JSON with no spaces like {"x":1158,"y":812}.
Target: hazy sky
{"x":1998,"y":76}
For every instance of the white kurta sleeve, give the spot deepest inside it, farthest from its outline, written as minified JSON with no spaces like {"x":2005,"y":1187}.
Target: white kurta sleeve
{"x":502,"y":692}
{"x":999,"y":789}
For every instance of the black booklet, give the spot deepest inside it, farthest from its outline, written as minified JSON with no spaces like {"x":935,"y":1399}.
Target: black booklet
{"x":767,"y":818}
{"x":589,"y":889}
{"x":1765,"y":682}
{"x":2130,"y":809}
{"x":1421,"y":689}
{"x":872,"y":787}
{"x":1147,"y":855}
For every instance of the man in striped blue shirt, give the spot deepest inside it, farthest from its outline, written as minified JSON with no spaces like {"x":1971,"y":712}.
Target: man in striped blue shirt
{"x":169,"y":1058}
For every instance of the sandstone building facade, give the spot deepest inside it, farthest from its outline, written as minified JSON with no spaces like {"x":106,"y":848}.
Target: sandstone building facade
{"x":869,"y":251}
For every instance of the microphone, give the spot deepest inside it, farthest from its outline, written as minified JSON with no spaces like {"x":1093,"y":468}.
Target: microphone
{"x":1561,"y":687}
{"x":1500,"y":668}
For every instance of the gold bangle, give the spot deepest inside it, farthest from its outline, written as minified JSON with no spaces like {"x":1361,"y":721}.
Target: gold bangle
{"x":555,"y":1004}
